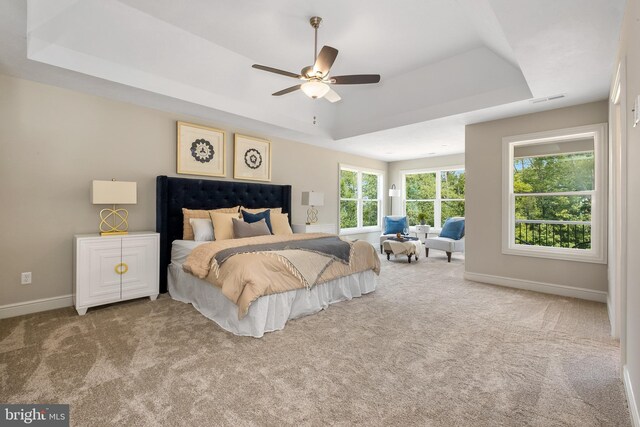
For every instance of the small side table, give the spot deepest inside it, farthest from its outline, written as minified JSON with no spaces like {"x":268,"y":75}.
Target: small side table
{"x":422,"y":231}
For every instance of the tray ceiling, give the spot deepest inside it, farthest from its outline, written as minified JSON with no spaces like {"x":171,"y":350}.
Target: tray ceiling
{"x":443,"y":64}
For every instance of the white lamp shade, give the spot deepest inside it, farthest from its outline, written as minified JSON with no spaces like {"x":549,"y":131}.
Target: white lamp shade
{"x":114,"y":193}
{"x":394,"y":192}
{"x":314,"y":89}
{"x":312,"y":198}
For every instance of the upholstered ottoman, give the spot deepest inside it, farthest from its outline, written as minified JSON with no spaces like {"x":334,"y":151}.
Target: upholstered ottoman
{"x":409,"y":246}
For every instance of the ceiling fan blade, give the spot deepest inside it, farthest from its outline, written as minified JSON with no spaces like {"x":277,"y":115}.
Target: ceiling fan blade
{"x":287,"y":90}
{"x":275,"y":70}
{"x":355,"y":79}
{"x":325,"y":60}
{"x":332,"y":96}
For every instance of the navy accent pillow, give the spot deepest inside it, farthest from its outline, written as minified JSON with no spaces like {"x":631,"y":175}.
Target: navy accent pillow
{"x":453,"y":228}
{"x":250,"y":218}
{"x":395,"y":225}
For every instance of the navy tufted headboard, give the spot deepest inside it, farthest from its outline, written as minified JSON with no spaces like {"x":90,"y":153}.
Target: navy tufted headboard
{"x":173,"y":194}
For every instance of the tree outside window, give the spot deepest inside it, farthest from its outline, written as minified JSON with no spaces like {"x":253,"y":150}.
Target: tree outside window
{"x":437,"y":195}
{"x":360,"y":198}
{"x":554,"y":198}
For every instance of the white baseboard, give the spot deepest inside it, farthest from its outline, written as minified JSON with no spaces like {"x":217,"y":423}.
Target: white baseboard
{"x":546,"y":288}
{"x":35,"y":306}
{"x":631,"y":399}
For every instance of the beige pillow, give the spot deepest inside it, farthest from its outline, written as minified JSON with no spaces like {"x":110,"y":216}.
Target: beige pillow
{"x":187,"y":214}
{"x":258,"y":210}
{"x":280,"y":223}
{"x":222,"y":225}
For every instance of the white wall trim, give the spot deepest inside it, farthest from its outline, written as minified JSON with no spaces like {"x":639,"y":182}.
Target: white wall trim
{"x":546,"y":288}
{"x":631,"y":399}
{"x":611,"y":314}
{"x":35,"y":306}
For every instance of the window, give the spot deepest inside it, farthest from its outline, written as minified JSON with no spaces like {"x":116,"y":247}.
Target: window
{"x":554,"y":203}
{"x":360,"y":199}
{"x":436,"y":194}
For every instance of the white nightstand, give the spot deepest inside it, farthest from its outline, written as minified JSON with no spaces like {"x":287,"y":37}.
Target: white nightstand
{"x":114,"y":268}
{"x":314,"y":228}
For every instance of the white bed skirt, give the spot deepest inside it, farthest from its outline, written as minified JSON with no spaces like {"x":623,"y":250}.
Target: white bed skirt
{"x":270,"y":312}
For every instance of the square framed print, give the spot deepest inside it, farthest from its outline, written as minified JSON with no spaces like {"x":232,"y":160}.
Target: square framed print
{"x":200,"y":150}
{"x":251,"y":158}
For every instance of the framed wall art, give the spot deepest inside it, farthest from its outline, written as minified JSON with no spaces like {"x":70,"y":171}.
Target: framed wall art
{"x":252,"y":158}
{"x":200,"y":150}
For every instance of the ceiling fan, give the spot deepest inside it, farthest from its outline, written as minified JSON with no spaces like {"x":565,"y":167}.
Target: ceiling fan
{"x":316,"y":76}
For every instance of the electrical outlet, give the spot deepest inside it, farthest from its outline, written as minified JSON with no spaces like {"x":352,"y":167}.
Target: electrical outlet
{"x":25,"y":278}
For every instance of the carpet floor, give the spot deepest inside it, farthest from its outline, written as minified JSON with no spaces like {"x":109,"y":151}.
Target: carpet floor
{"x":427,"y":348}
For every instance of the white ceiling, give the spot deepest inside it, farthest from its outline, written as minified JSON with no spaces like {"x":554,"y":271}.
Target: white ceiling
{"x":444,"y":64}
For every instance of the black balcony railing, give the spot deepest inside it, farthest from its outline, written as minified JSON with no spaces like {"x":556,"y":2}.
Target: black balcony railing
{"x":558,"y":234}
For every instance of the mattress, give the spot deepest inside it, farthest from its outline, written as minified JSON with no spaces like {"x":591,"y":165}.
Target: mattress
{"x":266,"y":314}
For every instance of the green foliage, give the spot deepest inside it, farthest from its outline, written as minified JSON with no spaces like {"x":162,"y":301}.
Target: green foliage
{"x":370,"y":203}
{"x":553,"y":174}
{"x":417,"y":207}
{"x":348,"y":214}
{"x":348,"y":184}
{"x":452,"y":185}
{"x":421,"y":186}
{"x":369,"y":186}
{"x":369,"y":213}
{"x":451,"y":208}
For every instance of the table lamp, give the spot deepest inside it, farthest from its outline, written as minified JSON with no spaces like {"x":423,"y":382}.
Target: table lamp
{"x":312,"y":199}
{"x":113,"y":221}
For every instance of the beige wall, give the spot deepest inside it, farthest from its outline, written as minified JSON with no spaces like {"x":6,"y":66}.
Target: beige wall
{"x":630,"y":50}
{"x":53,"y":142}
{"x":484,"y":201}
{"x":396,"y":168}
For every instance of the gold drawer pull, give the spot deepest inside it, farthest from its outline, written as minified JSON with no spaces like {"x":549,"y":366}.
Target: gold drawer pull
{"x":121,"y":268}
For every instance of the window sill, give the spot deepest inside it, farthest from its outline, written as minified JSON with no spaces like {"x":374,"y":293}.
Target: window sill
{"x":364,"y":230}
{"x":555,"y":254}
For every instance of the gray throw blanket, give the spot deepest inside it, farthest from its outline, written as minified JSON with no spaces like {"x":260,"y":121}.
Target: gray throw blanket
{"x":331,"y":246}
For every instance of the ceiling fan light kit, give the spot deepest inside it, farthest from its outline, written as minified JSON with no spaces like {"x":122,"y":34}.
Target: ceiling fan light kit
{"x":315,"y":89}
{"x":316,"y":76}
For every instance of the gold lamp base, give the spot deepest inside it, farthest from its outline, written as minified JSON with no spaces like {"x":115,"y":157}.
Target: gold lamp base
{"x":118,"y":218}
{"x":312,"y":215}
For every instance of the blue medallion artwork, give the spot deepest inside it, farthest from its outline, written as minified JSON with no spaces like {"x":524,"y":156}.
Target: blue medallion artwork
{"x":253,"y":158}
{"x":202,"y":151}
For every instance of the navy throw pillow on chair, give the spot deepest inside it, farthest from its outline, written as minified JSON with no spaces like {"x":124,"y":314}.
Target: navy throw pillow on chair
{"x":395,"y":225}
{"x":453,"y":228}
{"x":251,"y":218}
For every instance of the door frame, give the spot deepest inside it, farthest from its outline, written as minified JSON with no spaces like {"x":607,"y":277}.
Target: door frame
{"x":617,"y":224}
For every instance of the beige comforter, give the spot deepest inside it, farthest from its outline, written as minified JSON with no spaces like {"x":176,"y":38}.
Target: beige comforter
{"x":245,"y":277}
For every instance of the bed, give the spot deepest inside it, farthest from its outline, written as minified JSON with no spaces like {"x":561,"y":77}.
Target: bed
{"x":268,"y":312}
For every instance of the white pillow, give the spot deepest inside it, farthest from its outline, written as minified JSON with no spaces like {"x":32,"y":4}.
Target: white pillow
{"x":202,"y":229}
